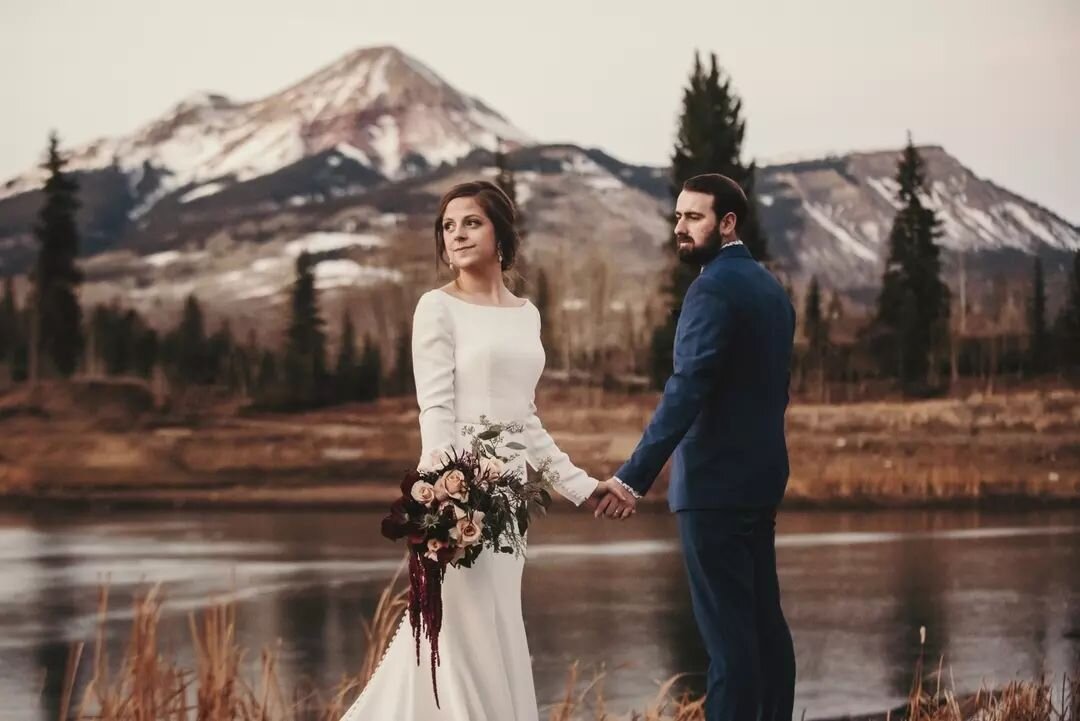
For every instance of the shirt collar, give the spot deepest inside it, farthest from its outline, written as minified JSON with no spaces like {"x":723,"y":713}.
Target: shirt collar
{"x":724,"y":247}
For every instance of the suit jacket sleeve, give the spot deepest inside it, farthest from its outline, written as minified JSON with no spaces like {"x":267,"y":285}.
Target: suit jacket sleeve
{"x":701,"y":341}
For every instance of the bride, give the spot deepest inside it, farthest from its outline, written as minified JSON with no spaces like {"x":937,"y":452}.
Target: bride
{"x":476,"y":352}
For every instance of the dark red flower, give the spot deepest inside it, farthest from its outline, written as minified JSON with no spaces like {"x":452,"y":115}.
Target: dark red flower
{"x":407,"y":482}
{"x":397,"y":524}
{"x":445,"y":555}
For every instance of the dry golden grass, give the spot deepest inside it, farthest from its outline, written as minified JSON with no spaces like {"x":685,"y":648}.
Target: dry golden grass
{"x":1018,"y":701}
{"x":148,"y":685}
{"x":961,"y":451}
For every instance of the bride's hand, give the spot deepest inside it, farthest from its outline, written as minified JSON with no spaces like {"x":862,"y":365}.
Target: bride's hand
{"x":611,"y":500}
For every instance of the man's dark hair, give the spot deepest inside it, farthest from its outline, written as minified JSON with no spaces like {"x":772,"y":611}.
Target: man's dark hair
{"x":728,"y":196}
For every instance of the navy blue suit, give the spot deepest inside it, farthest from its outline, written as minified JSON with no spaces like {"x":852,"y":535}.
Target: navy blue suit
{"x":722,"y":415}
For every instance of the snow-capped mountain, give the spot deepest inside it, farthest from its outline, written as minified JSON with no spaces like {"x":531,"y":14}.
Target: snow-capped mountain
{"x":218,"y":197}
{"x":378,"y":106}
{"x":831,"y":217}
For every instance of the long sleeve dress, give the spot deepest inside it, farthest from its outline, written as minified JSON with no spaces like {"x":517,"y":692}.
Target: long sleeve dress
{"x":472,"y":361}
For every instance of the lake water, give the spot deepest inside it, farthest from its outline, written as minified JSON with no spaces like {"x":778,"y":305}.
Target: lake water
{"x":999,"y":594}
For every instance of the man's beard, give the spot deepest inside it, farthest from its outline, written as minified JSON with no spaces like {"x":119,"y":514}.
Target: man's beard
{"x":700,"y":254}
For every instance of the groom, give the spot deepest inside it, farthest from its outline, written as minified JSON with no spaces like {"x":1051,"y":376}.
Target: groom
{"x":722,"y":414}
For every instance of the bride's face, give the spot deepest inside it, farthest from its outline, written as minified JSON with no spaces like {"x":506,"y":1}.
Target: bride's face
{"x":469,"y":235}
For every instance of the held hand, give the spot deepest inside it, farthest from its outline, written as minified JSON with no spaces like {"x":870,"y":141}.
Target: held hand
{"x":611,"y":500}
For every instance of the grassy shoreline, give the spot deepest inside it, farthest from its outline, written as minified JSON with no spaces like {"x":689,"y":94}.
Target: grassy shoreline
{"x":95,"y":450}
{"x":148,"y":683}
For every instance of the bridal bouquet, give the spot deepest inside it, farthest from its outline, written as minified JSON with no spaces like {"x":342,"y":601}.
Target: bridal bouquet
{"x":454,"y":506}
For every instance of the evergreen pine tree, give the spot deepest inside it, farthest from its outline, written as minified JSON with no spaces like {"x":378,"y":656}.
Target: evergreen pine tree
{"x":913,"y":307}
{"x":190,"y":344}
{"x":370,"y":373}
{"x":1039,"y":338}
{"x":20,"y":354}
{"x":145,"y":350}
{"x":504,"y":178}
{"x":1067,"y":326}
{"x":221,"y":357}
{"x":129,"y":325}
{"x":267,"y":376}
{"x":815,"y":323}
{"x":111,"y":330}
{"x":709,"y":140}
{"x":346,"y":371}
{"x":542,"y":301}
{"x":816,"y":329}
{"x":9,"y":323}
{"x":403,"y":370}
{"x":305,"y":348}
{"x":58,"y":336}
{"x":247,"y":359}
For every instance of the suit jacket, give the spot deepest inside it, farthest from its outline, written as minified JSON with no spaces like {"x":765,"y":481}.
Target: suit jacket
{"x":722,"y":411}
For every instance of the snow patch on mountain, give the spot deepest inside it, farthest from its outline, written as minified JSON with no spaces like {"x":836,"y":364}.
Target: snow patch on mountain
{"x":887,"y":188}
{"x":326,"y":242}
{"x":202,"y":191}
{"x":1020,"y":214}
{"x":821,"y":215}
{"x":348,"y":273}
{"x":351,"y":151}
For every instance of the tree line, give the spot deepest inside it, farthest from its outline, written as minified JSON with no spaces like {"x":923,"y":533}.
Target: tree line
{"x":48,"y":337}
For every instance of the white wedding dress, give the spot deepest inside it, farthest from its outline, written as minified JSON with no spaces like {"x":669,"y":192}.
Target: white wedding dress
{"x":470,"y":361}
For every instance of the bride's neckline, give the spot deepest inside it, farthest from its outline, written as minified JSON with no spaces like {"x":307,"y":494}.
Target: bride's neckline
{"x":483,"y":305}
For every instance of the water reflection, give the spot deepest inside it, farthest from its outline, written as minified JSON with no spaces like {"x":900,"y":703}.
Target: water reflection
{"x":918,"y":613}
{"x":994,"y":591}
{"x":53,"y":601}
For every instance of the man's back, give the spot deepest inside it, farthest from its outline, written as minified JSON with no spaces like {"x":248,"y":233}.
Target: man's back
{"x":734,"y":454}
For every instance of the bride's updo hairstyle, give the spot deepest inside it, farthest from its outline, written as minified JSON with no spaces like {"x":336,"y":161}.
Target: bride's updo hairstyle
{"x":499,"y":210}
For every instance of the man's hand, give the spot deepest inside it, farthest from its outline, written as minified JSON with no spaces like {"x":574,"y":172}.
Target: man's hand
{"x":611,"y":500}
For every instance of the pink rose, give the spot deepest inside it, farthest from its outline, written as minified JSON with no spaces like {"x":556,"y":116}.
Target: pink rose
{"x":454,"y":484}
{"x":423,"y":492}
{"x":440,"y":490}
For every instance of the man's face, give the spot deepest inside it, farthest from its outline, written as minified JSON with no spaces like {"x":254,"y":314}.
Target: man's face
{"x":698,"y":236}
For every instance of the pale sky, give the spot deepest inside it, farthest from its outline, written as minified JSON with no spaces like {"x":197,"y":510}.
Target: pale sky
{"x":987,"y":79}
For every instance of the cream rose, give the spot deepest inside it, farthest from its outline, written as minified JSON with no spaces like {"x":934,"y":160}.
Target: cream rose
{"x":469,"y":531}
{"x":454,"y":483}
{"x":440,"y":490}
{"x":423,"y":492}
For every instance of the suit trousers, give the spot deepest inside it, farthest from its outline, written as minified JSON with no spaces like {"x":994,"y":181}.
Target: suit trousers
{"x":730,"y":558}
